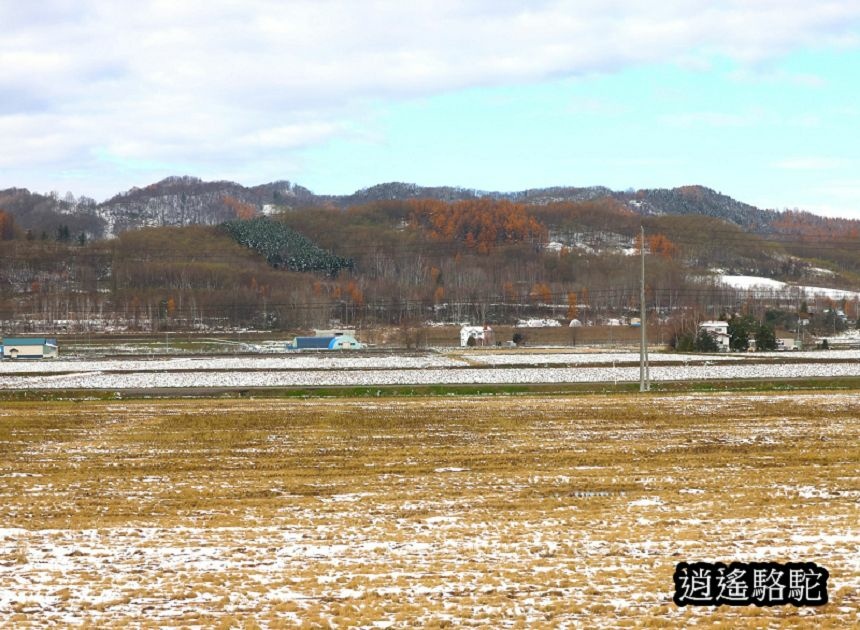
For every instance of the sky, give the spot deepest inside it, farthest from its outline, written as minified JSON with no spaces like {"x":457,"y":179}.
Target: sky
{"x":758,"y":99}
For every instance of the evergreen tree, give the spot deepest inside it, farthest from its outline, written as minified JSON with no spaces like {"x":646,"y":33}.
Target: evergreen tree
{"x":284,"y":247}
{"x":765,"y":338}
{"x":684,"y":343}
{"x":740,"y":329}
{"x":705,"y":342}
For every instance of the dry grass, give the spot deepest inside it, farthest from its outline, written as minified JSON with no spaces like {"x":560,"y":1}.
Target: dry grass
{"x":519,"y":512}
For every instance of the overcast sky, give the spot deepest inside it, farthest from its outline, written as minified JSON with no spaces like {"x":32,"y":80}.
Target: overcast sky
{"x":758,"y":99}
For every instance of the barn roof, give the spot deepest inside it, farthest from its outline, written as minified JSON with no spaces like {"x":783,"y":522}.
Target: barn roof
{"x":29,"y":341}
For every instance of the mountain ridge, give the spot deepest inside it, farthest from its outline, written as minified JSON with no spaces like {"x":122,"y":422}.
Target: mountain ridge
{"x":186,"y":200}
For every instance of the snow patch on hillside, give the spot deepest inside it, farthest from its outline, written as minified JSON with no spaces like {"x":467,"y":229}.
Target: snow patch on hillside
{"x":759,"y":282}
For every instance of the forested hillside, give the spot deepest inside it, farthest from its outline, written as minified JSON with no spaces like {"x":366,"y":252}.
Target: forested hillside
{"x":179,"y":201}
{"x":276,"y":256}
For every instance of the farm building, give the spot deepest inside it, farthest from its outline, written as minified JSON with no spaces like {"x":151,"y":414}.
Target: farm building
{"x":719,"y":330}
{"x":327,"y":342}
{"x":481,"y":336}
{"x":29,"y":348}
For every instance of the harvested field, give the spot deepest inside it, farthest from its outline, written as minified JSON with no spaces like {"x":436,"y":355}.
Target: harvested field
{"x":340,"y":371}
{"x":495,"y":512}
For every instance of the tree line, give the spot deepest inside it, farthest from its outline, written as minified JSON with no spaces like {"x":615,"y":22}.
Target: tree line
{"x":391,"y":262}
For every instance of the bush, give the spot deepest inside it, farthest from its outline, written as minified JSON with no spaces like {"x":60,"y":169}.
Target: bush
{"x":683,"y":343}
{"x":705,"y":342}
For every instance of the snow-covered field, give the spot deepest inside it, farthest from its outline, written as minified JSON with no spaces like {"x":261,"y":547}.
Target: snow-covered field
{"x":762,"y":283}
{"x":583,"y":358}
{"x":283,"y":362}
{"x":500,"y":513}
{"x":572,"y":358}
{"x":514,"y":368}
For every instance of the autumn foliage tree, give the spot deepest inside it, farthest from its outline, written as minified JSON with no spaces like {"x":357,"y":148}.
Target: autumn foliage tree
{"x":243,"y":210}
{"x":356,"y":295}
{"x":481,"y":224}
{"x":572,"y":309}
{"x":541,"y":292}
{"x":662,"y":246}
{"x":7,"y":226}
{"x":658,"y":244}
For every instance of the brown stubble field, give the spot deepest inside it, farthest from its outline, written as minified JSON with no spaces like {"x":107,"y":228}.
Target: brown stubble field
{"x":565,"y":511}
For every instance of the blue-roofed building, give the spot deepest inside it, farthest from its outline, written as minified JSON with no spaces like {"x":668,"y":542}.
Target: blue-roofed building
{"x":327,"y":342}
{"x":29,"y":348}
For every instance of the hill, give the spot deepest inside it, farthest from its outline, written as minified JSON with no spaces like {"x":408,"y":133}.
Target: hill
{"x":190,"y":254}
{"x":179,"y":201}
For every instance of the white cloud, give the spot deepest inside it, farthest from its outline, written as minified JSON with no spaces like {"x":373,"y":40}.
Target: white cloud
{"x":220,"y":82}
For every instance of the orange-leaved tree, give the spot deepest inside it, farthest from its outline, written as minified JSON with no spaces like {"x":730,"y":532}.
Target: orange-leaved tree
{"x":541,"y":292}
{"x":481,"y":224}
{"x":572,"y":310}
{"x":7,"y":226}
{"x":243,"y":210}
{"x":662,"y":246}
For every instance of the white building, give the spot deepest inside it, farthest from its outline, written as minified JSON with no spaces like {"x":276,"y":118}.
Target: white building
{"x":719,"y":330}
{"x":482,"y":335}
{"x":28,"y":348}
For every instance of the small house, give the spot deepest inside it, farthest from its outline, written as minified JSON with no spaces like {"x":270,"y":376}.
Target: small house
{"x":719,"y":330}
{"x":480,"y":336}
{"x":29,"y":348}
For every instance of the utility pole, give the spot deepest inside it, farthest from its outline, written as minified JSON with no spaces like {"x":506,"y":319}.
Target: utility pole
{"x":644,"y":376}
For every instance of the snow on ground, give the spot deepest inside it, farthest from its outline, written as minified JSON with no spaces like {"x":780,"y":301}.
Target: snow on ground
{"x":581,"y":358}
{"x":749,"y":282}
{"x":845,"y":338}
{"x":430,"y":376}
{"x":294,"y":362}
{"x":538,"y":323}
{"x":759,"y":282}
{"x":501,"y":513}
{"x":283,"y":362}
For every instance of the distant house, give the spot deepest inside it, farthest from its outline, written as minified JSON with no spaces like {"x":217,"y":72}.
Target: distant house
{"x":719,"y":330}
{"x":29,"y":348}
{"x":340,"y":341}
{"x":482,"y":336}
{"x":786,"y":343}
